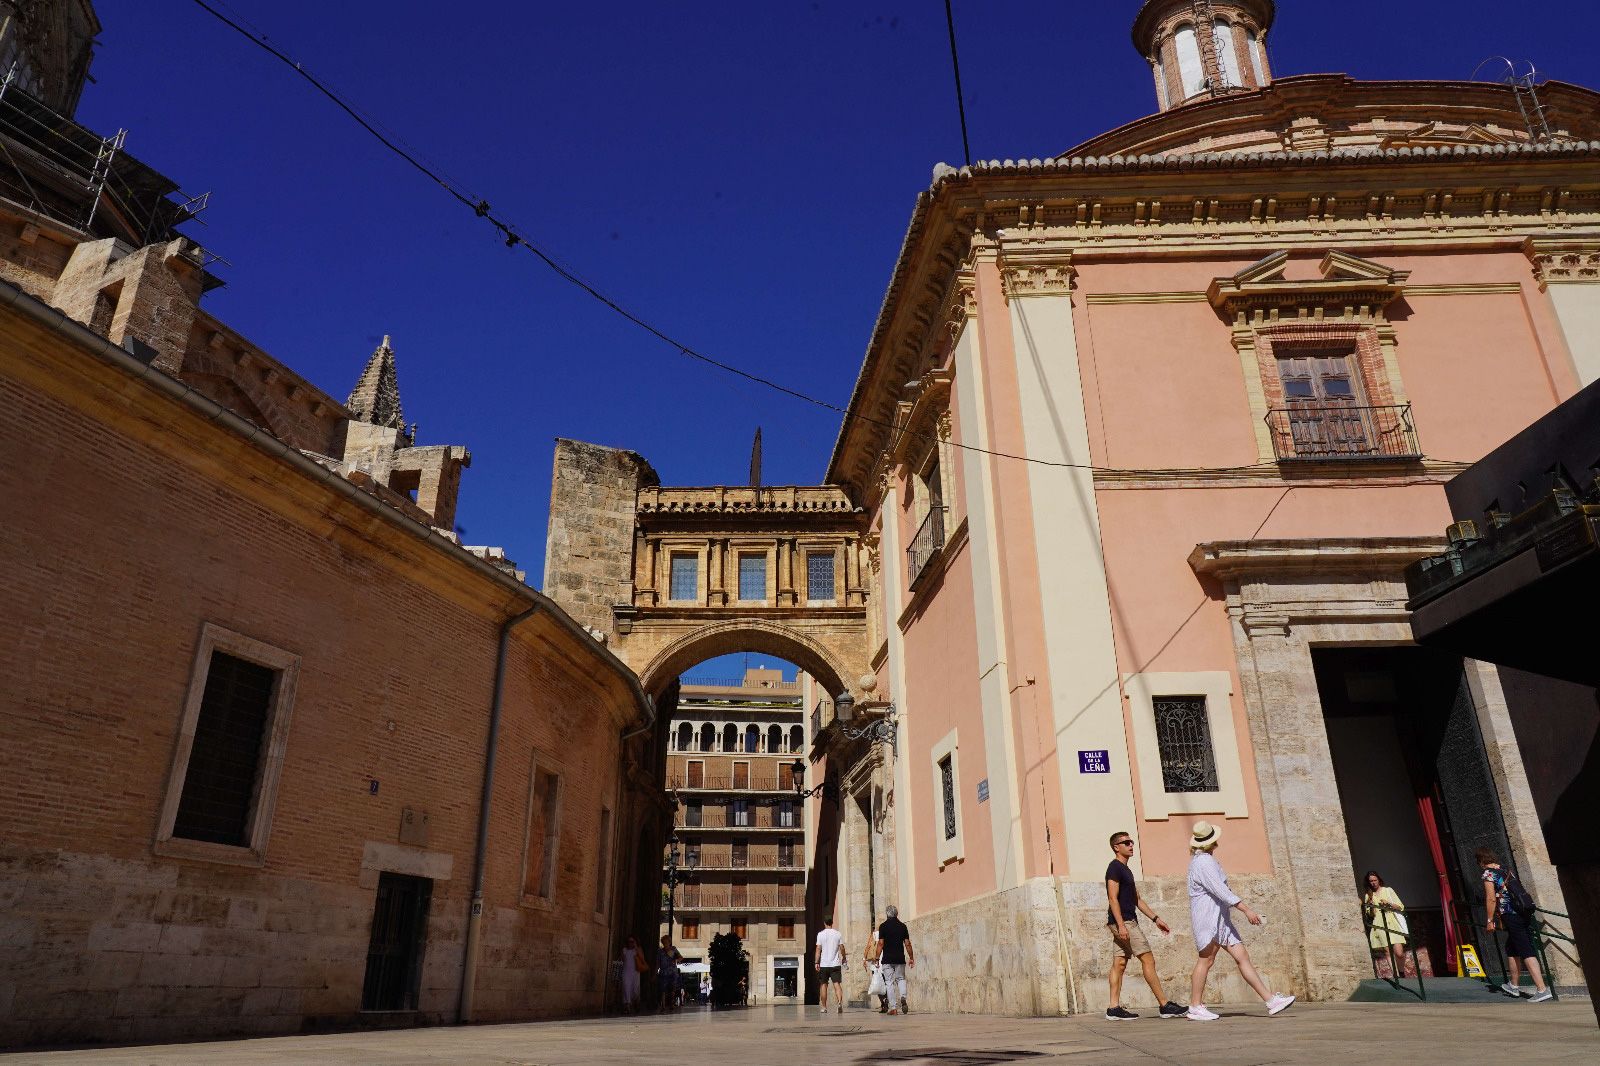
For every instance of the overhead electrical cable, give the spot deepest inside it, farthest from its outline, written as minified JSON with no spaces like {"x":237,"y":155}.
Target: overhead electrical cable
{"x":514,"y":239}
{"x":955,"y":63}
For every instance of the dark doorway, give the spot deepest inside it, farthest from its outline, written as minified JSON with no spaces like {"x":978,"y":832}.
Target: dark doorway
{"x":1416,"y":790}
{"x":399,"y":931}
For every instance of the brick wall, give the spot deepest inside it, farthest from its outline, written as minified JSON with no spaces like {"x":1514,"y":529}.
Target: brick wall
{"x":131,"y":523}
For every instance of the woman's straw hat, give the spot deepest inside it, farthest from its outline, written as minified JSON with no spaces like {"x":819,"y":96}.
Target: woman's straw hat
{"x":1205,"y":835}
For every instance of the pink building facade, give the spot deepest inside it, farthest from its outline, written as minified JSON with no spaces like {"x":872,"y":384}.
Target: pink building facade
{"x":1146,"y":435}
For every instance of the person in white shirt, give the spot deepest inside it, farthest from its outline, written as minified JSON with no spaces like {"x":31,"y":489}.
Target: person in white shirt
{"x":830,"y":958}
{"x":1210,"y":900}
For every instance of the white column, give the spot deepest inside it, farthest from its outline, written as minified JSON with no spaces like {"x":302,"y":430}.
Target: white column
{"x":994,"y":676}
{"x":904,"y":895}
{"x":1076,"y":604}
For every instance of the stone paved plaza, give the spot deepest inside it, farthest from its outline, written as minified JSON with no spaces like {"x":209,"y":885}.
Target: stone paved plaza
{"x":1414,"y":1034}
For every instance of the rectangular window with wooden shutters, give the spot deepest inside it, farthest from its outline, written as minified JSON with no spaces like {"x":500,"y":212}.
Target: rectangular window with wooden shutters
{"x":740,"y":894}
{"x":947,"y":787}
{"x":1183,"y":735}
{"x":741,"y":854}
{"x":741,"y":928}
{"x":786,"y":929}
{"x":691,"y":929}
{"x":741,"y":775}
{"x":693,"y":814}
{"x":544,"y":824}
{"x":785,"y":776}
{"x":697,"y":775}
{"x":741,"y":812}
{"x":219,"y":783}
{"x":786,"y":852}
{"x":786,"y":814}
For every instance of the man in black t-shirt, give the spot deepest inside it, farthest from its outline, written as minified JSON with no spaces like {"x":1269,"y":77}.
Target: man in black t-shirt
{"x":894,"y":955}
{"x":1124,"y":904}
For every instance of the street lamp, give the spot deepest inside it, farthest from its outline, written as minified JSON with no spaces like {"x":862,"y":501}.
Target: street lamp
{"x":828,"y":789}
{"x":880,"y":730}
{"x":672,"y":876}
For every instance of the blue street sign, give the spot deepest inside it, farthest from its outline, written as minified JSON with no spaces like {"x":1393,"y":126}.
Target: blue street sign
{"x":1094,"y":762}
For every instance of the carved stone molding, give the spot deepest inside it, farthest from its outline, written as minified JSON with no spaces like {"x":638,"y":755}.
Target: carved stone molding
{"x":874,"y":546}
{"x":1029,"y":274}
{"x":1557,"y":261}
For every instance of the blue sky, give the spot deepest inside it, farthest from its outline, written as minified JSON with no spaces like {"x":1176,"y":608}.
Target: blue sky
{"x":738,"y":173}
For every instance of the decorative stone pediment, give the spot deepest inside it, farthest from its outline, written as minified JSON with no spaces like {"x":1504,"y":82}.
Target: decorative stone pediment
{"x":1564,"y":261}
{"x":1350,"y":287}
{"x":1431,"y":135}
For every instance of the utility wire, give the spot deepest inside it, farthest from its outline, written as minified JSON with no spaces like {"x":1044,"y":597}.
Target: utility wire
{"x":955,"y":63}
{"x":514,"y":239}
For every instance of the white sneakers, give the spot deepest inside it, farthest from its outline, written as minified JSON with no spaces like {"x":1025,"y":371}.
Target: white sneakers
{"x":1276,"y":1005}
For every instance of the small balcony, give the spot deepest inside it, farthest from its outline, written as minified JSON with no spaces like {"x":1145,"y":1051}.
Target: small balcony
{"x":1321,"y":431}
{"x":779,"y":863}
{"x":925,"y":545}
{"x":740,"y":898}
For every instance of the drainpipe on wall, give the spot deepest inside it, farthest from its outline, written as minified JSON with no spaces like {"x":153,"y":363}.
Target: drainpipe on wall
{"x":469,"y":966}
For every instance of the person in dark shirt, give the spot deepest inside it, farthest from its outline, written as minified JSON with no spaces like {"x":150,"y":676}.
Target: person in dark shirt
{"x":894,"y":955}
{"x":1124,"y":904}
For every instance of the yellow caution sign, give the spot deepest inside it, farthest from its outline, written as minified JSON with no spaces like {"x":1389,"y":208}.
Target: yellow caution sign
{"x":1467,"y":964}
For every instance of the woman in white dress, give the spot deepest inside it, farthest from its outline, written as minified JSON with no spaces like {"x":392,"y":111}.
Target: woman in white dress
{"x":630,"y":976}
{"x":1210,"y":900}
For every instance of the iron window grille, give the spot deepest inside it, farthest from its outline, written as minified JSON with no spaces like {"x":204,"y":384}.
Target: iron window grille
{"x":1183,"y":735}
{"x":925,"y":545}
{"x":947,"y":784}
{"x":819,"y":576}
{"x":685,"y":580}
{"x":752,"y":577}
{"x":219,"y":784}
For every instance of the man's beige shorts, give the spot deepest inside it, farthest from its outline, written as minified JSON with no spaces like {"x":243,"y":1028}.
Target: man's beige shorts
{"x":1135,"y":945}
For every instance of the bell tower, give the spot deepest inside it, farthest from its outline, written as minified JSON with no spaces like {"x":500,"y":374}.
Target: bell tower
{"x":1198,"y":49}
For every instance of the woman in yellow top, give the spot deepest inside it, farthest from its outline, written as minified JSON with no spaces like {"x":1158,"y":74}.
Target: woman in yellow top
{"x":1386,"y":921}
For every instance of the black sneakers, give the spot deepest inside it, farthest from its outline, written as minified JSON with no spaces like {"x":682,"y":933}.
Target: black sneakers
{"x":1170,"y":1009}
{"x":1117,"y":1014}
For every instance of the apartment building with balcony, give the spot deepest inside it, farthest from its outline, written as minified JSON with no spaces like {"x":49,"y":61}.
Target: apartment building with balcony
{"x":740,"y":824}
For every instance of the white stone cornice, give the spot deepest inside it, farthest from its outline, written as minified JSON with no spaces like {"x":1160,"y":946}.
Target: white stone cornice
{"x":1564,"y":260}
{"x":1259,"y":559}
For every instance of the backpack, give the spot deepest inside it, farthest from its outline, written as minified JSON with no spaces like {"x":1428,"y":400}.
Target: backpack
{"x":1521,"y":902}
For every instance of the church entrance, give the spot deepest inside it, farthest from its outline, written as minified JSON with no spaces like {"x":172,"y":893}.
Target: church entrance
{"x":1416,"y":791}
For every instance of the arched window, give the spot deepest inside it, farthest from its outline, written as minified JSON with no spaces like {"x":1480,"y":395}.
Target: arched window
{"x":752,"y":739}
{"x":708,"y":737}
{"x":730,"y":738}
{"x":1227,"y":53}
{"x":775,"y":739}
{"x":685,"y":736}
{"x":797,"y":738}
{"x":1190,"y":68}
{"x":1256,"y":65}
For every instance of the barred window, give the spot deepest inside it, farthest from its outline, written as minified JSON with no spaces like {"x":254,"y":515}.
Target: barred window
{"x":1183,"y":734}
{"x":819,"y":576}
{"x":752,"y":577}
{"x":685,"y":582}
{"x":947,"y":785}
{"x":219,"y":787}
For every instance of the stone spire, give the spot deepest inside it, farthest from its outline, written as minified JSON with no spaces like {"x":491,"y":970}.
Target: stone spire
{"x":376,"y":397}
{"x":1198,"y":49}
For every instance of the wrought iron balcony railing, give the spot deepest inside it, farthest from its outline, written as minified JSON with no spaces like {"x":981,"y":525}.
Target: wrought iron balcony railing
{"x":1322,"y":430}
{"x":926,"y":544}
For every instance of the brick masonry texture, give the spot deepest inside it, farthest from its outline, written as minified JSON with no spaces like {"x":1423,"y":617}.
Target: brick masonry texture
{"x":130,"y":523}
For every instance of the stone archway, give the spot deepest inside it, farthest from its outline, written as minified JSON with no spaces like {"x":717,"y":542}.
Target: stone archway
{"x":668,"y":652}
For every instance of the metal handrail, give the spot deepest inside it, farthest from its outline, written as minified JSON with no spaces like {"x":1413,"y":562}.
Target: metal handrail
{"x":1421,"y":991}
{"x":1328,"y":430}
{"x":925,"y":545}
